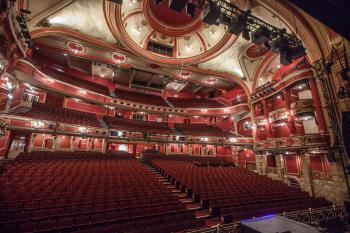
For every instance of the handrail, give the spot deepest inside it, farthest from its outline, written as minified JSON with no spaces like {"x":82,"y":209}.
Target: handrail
{"x":309,"y":216}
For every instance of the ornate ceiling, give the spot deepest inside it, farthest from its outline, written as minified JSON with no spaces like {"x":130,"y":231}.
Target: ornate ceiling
{"x":146,"y":37}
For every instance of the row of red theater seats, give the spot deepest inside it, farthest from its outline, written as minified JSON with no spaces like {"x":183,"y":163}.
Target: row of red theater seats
{"x":141,"y":98}
{"x":91,"y":191}
{"x":109,"y":222}
{"x":77,"y":206}
{"x":114,"y":203}
{"x":266,"y":197}
{"x":213,"y":185}
{"x":138,"y":125}
{"x":74,"y":211}
{"x":81,"y":83}
{"x":195,"y":103}
{"x":45,"y":112}
{"x":83,"y":196}
{"x":242,"y":194}
{"x":66,"y":157}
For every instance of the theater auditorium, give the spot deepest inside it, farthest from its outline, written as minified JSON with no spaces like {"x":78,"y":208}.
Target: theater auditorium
{"x":164,"y":116}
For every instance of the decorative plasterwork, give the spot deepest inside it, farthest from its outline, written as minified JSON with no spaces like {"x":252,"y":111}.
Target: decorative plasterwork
{"x":85,"y":16}
{"x":134,"y":24}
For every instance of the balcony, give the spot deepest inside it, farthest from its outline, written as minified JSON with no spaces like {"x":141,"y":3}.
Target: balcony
{"x":302,"y":106}
{"x":294,"y":142}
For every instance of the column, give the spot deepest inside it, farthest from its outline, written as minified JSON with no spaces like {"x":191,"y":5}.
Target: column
{"x":318,"y":106}
{"x":88,"y":146}
{"x":280,"y":166}
{"x":31,"y":143}
{"x":104,"y":145}
{"x":54,"y":143}
{"x":291,"y":124}
{"x":72,"y":141}
{"x":261,"y":163}
{"x":190,"y":149}
{"x":167,"y":149}
{"x":306,"y":182}
{"x":266,"y":116}
{"x":338,"y":192}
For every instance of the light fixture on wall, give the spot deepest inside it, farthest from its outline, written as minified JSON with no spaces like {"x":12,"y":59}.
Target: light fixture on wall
{"x":232,"y":140}
{"x":37,"y":124}
{"x":82,"y":129}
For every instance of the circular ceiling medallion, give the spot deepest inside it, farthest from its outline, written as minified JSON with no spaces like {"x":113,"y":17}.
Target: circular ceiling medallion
{"x":256,"y":51}
{"x":211,"y":80}
{"x":118,"y":57}
{"x":184,"y":74}
{"x":75,"y":47}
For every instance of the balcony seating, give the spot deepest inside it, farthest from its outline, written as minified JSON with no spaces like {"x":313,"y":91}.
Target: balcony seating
{"x":195,"y":103}
{"x":87,"y":192}
{"x":196,"y":129}
{"x":75,"y":81}
{"x":140,"y":98}
{"x":61,"y":115}
{"x":233,"y":193}
{"x":138,"y":125}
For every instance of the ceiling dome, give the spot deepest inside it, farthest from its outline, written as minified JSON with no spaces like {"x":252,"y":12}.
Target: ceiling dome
{"x":171,"y":17}
{"x":164,"y":35}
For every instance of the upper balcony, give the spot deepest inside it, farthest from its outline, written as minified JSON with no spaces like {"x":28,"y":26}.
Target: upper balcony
{"x":302,"y":106}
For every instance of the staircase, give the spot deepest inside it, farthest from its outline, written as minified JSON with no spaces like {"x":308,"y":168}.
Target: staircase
{"x":183,"y":196}
{"x":293,"y":182}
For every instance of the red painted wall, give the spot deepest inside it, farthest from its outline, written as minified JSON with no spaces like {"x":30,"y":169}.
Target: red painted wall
{"x":241,"y":130}
{"x":276,"y":103}
{"x":54,"y":100}
{"x":271,"y":161}
{"x":225,"y":124}
{"x":292,"y":164}
{"x":281,"y":131}
{"x":4,"y":144}
{"x":64,"y":141}
{"x":246,"y":156}
{"x":84,"y":107}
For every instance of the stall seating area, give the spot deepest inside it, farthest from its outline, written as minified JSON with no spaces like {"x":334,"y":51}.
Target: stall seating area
{"x":61,"y":115}
{"x":75,"y":81}
{"x":138,"y":125}
{"x":196,"y":129}
{"x":195,"y":103}
{"x":233,"y":193}
{"x":87,"y":192}
{"x":140,"y":97}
